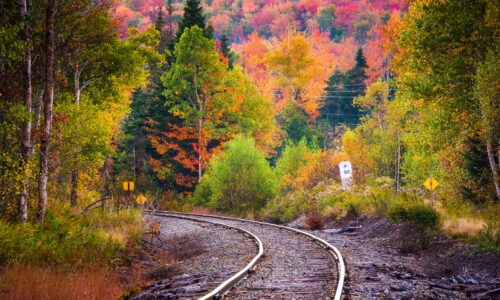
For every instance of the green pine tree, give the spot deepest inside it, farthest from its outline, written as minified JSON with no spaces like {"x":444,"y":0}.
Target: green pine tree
{"x":160,"y":25}
{"x":357,"y":75}
{"x":209,"y":31}
{"x":193,"y":15}
{"x":341,"y":91}
{"x":224,"y":47}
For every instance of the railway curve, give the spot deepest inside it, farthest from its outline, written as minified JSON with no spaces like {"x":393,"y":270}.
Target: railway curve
{"x":295,"y":264}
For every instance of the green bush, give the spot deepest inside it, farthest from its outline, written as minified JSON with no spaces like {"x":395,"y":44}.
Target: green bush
{"x":286,"y":208}
{"x":61,"y":240}
{"x":239,"y":180}
{"x":421,"y":216}
{"x":488,"y":239}
{"x":292,"y":157}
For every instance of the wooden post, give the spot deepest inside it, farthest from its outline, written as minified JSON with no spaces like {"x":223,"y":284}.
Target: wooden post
{"x":432,"y":193}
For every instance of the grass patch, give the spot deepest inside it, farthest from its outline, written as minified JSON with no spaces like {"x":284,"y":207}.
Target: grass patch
{"x":30,"y":281}
{"x":69,"y":257}
{"x":488,"y":238}
{"x":65,"y":241}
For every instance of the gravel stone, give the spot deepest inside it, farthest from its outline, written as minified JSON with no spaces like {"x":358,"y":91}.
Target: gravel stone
{"x":227,"y":252}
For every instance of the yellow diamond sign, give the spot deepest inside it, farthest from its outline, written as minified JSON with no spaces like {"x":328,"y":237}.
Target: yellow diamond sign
{"x":141,"y":199}
{"x":427,"y":183}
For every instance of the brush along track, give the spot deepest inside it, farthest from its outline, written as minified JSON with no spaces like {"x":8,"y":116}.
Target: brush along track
{"x":295,"y":265}
{"x":226,"y":252}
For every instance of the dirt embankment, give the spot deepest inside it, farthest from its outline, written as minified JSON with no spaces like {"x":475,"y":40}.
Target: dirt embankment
{"x":381,"y":264}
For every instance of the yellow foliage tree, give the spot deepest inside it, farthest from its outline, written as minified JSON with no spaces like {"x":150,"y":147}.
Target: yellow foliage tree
{"x":358,"y":152}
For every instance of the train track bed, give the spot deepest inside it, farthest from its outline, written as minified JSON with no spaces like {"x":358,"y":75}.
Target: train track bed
{"x":219,"y":254}
{"x":293,"y":267}
{"x":377,"y":269}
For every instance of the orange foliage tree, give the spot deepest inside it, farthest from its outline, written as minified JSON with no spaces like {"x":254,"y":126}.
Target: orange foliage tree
{"x":382,"y":48}
{"x":213,"y":103}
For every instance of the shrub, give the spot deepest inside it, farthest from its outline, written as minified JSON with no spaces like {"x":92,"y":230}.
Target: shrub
{"x":314,"y":220}
{"x":62,"y":240}
{"x":421,"y":216}
{"x":382,"y":181}
{"x":423,"y":220}
{"x":357,"y":150}
{"x":302,"y":166}
{"x":286,"y":208}
{"x":238,"y":180}
{"x":292,"y":158}
{"x":489,"y":238}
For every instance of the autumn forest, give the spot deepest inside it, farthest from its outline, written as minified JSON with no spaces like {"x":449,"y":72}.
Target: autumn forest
{"x":244,"y":108}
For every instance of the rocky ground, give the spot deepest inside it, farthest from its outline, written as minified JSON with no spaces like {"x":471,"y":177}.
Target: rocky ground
{"x":293,"y":267}
{"x":197,"y":257}
{"x":378,"y":265}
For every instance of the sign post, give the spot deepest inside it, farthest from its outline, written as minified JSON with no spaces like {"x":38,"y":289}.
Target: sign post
{"x":431,"y":184}
{"x":129,"y":187}
{"x":345,"y":169}
{"x":141,"y":200}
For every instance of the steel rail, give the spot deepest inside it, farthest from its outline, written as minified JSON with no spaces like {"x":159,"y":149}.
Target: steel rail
{"x":327,"y":246}
{"x":219,"y":291}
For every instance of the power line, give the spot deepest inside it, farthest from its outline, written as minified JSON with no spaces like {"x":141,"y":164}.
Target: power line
{"x":337,"y":85}
{"x":347,"y":115}
{"x":329,"y":88}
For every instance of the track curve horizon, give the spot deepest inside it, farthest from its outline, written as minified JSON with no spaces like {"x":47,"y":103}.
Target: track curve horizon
{"x":285,"y":248}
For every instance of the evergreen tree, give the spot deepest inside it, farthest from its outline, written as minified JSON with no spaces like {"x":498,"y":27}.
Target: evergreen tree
{"x":296,"y":125}
{"x":341,"y":91}
{"x":193,"y":15}
{"x":209,"y":31}
{"x":169,"y":34}
{"x":226,"y":52}
{"x":224,"y":46}
{"x":357,"y":75}
{"x":160,"y":25}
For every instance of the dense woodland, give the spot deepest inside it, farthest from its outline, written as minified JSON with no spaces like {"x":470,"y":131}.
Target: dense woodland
{"x":247,"y":107}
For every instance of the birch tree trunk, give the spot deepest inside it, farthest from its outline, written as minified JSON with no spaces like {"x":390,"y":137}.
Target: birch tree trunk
{"x":200,"y":141}
{"x":26,"y":128}
{"x":494,"y":166}
{"x":48,"y":100}
{"x":76,"y":169}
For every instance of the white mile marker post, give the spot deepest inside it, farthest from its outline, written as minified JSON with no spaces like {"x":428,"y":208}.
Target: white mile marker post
{"x":345,"y":174}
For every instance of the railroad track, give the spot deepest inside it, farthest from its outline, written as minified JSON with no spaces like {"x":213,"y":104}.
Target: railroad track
{"x":290,"y":263}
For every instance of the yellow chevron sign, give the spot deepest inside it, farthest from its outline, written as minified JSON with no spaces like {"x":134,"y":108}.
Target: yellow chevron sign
{"x":141,"y":199}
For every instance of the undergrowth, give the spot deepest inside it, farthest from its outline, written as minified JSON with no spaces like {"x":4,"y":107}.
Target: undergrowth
{"x":62,"y":240}
{"x":68,"y":257}
{"x":31,"y":281}
{"x":478,"y":224}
